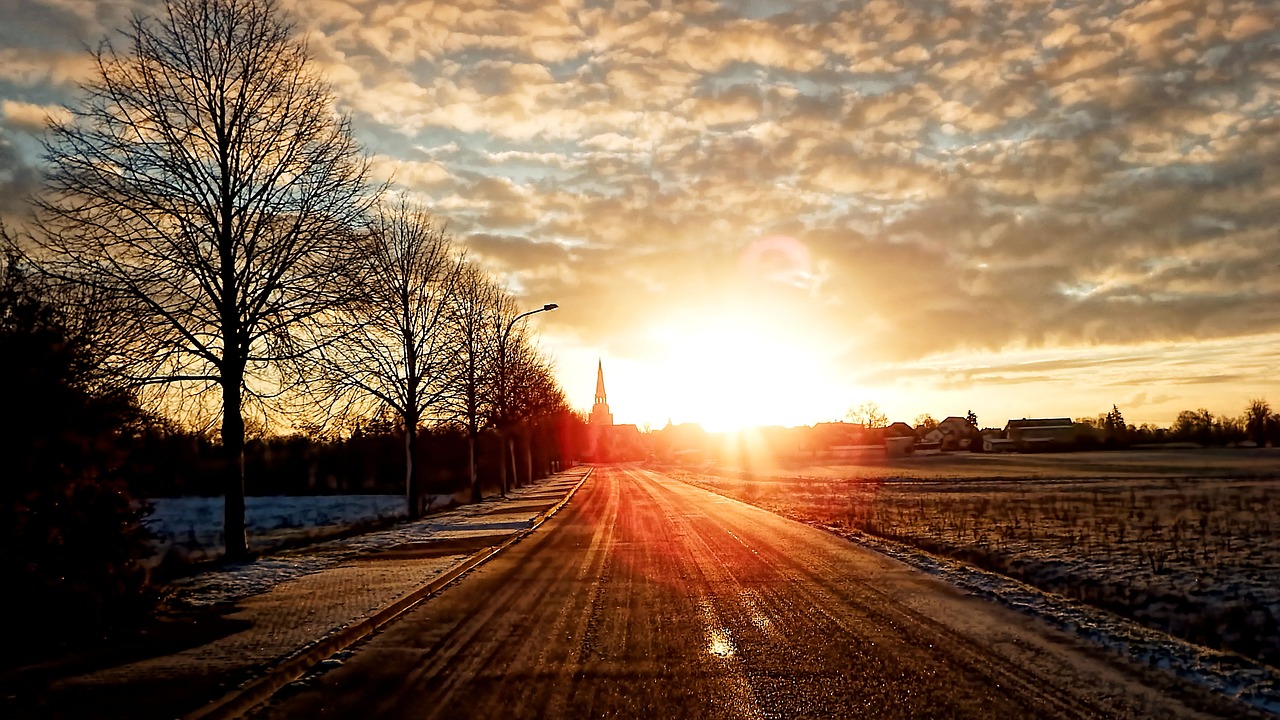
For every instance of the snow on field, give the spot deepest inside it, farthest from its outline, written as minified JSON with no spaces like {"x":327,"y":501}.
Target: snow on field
{"x":189,"y":529}
{"x":1187,"y":556}
{"x":1230,"y":674}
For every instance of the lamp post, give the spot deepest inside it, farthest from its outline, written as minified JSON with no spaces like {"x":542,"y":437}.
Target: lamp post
{"x":502,"y":386}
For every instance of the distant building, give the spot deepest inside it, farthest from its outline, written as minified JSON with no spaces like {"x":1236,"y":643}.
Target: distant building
{"x":957,"y":433}
{"x":993,"y":440}
{"x":835,"y":434}
{"x":1041,"y":433}
{"x":600,"y":415}
{"x":900,"y":429}
{"x":899,"y":439}
{"x":607,"y":442}
{"x":686,"y":442}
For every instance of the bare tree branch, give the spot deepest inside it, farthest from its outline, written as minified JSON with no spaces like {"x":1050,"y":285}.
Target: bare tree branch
{"x":392,"y":343}
{"x":206,"y":179}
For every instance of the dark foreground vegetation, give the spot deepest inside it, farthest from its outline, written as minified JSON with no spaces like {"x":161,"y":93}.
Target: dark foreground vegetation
{"x":73,"y":531}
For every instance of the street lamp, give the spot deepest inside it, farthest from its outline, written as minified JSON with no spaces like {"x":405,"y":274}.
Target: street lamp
{"x":502,"y":378}
{"x":544,"y":308}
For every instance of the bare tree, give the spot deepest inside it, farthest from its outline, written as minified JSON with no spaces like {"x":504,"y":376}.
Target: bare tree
{"x":496,"y":371}
{"x":503,"y":313}
{"x":869,"y":415}
{"x":1258,"y":419}
{"x":475,"y":353}
{"x":515,"y":355}
{"x":207,"y":179}
{"x":393,"y":345}
{"x":533,"y":395}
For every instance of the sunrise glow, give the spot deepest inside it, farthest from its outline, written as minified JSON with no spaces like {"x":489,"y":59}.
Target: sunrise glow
{"x":728,"y":370}
{"x":775,"y":210}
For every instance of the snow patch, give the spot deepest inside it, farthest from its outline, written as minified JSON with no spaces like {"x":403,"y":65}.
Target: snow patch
{"x":241,"y":580}
{"x":1230,"y":674}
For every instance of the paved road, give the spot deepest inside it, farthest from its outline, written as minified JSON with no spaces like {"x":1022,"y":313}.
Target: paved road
{"x":649,"y":598}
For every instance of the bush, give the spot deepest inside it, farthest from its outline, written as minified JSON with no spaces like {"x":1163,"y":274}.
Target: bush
{"x":74,"y":534}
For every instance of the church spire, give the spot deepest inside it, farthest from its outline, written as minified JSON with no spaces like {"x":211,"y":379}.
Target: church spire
{"x":601,"y":399}
{"x":600,"y":414}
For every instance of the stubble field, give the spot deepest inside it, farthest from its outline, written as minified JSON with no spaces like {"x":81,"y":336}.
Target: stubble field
{"x":1186,"y":542}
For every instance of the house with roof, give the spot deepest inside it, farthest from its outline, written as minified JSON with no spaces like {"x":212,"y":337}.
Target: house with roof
{"x":899,"y":439}
{"x":957,"y":433}
{"x":899,"y":429}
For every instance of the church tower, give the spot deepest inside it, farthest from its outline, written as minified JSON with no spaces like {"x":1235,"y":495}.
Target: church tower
{"x":600,"y":414}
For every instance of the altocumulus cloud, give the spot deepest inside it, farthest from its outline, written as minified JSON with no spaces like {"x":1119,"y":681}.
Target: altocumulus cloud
{"x":987,"y":174}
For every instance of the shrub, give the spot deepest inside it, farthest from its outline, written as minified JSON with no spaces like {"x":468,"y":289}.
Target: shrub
{"x":73,"y":532}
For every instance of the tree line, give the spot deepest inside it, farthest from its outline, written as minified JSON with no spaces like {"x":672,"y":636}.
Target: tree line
{"x":1257,"y":424}
{"x":213,"y":244}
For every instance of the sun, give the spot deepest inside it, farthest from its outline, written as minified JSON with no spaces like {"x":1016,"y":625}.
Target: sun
{"x":729,"y":371}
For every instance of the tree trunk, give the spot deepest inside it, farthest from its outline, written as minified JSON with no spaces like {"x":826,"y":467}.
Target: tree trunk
{"x":502,"y":462}
{"x":471,"y":466}
{"x":528,"y":458}
{"x":411,"y":469}
{"x":472,"y":421}
{"x":233,"y":531}
{"x":508,"y":479}
{"x":511,"y":454}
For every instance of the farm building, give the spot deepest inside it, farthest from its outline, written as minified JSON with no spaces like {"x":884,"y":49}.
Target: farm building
{"x":1041,"y":433}
{"x":840,"y":438}
{"x":957,"y":433}
{"x":899,"y":439}
{"x":995,"y":441}
{"x":899,"y":429}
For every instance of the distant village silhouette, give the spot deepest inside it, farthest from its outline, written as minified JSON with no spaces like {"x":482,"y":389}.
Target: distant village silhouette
{"x":610,"y":442}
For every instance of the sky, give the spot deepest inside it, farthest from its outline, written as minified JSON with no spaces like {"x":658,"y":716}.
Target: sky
{"x":766,"y":212}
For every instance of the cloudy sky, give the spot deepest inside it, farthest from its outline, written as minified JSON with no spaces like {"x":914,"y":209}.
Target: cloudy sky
{"x":767,"y":211}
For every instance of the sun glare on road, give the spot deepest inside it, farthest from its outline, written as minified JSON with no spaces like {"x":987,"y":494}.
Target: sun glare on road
{"x":719,"y":644}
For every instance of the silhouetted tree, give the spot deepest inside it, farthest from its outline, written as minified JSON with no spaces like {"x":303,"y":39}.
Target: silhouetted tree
{"x":972,"y":417}
{"x":1113,"y":420}
{"x":1148,"y":432}
{"x":1228,"y":430}
{"x":869,"y":415}
{"x":474,"y":356}
{"x":1194,"y":426}
{"x":1113,"y":426}
{"x":926,"y":421}
{"x":503,"y":310}
{"x":391,"y":345}
{"x":1258,"y":420}
{"x":533,"y":396}
{"x":206,"y":179}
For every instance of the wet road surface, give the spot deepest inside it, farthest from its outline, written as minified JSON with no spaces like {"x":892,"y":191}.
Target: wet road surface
{"x":646,"y":597}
